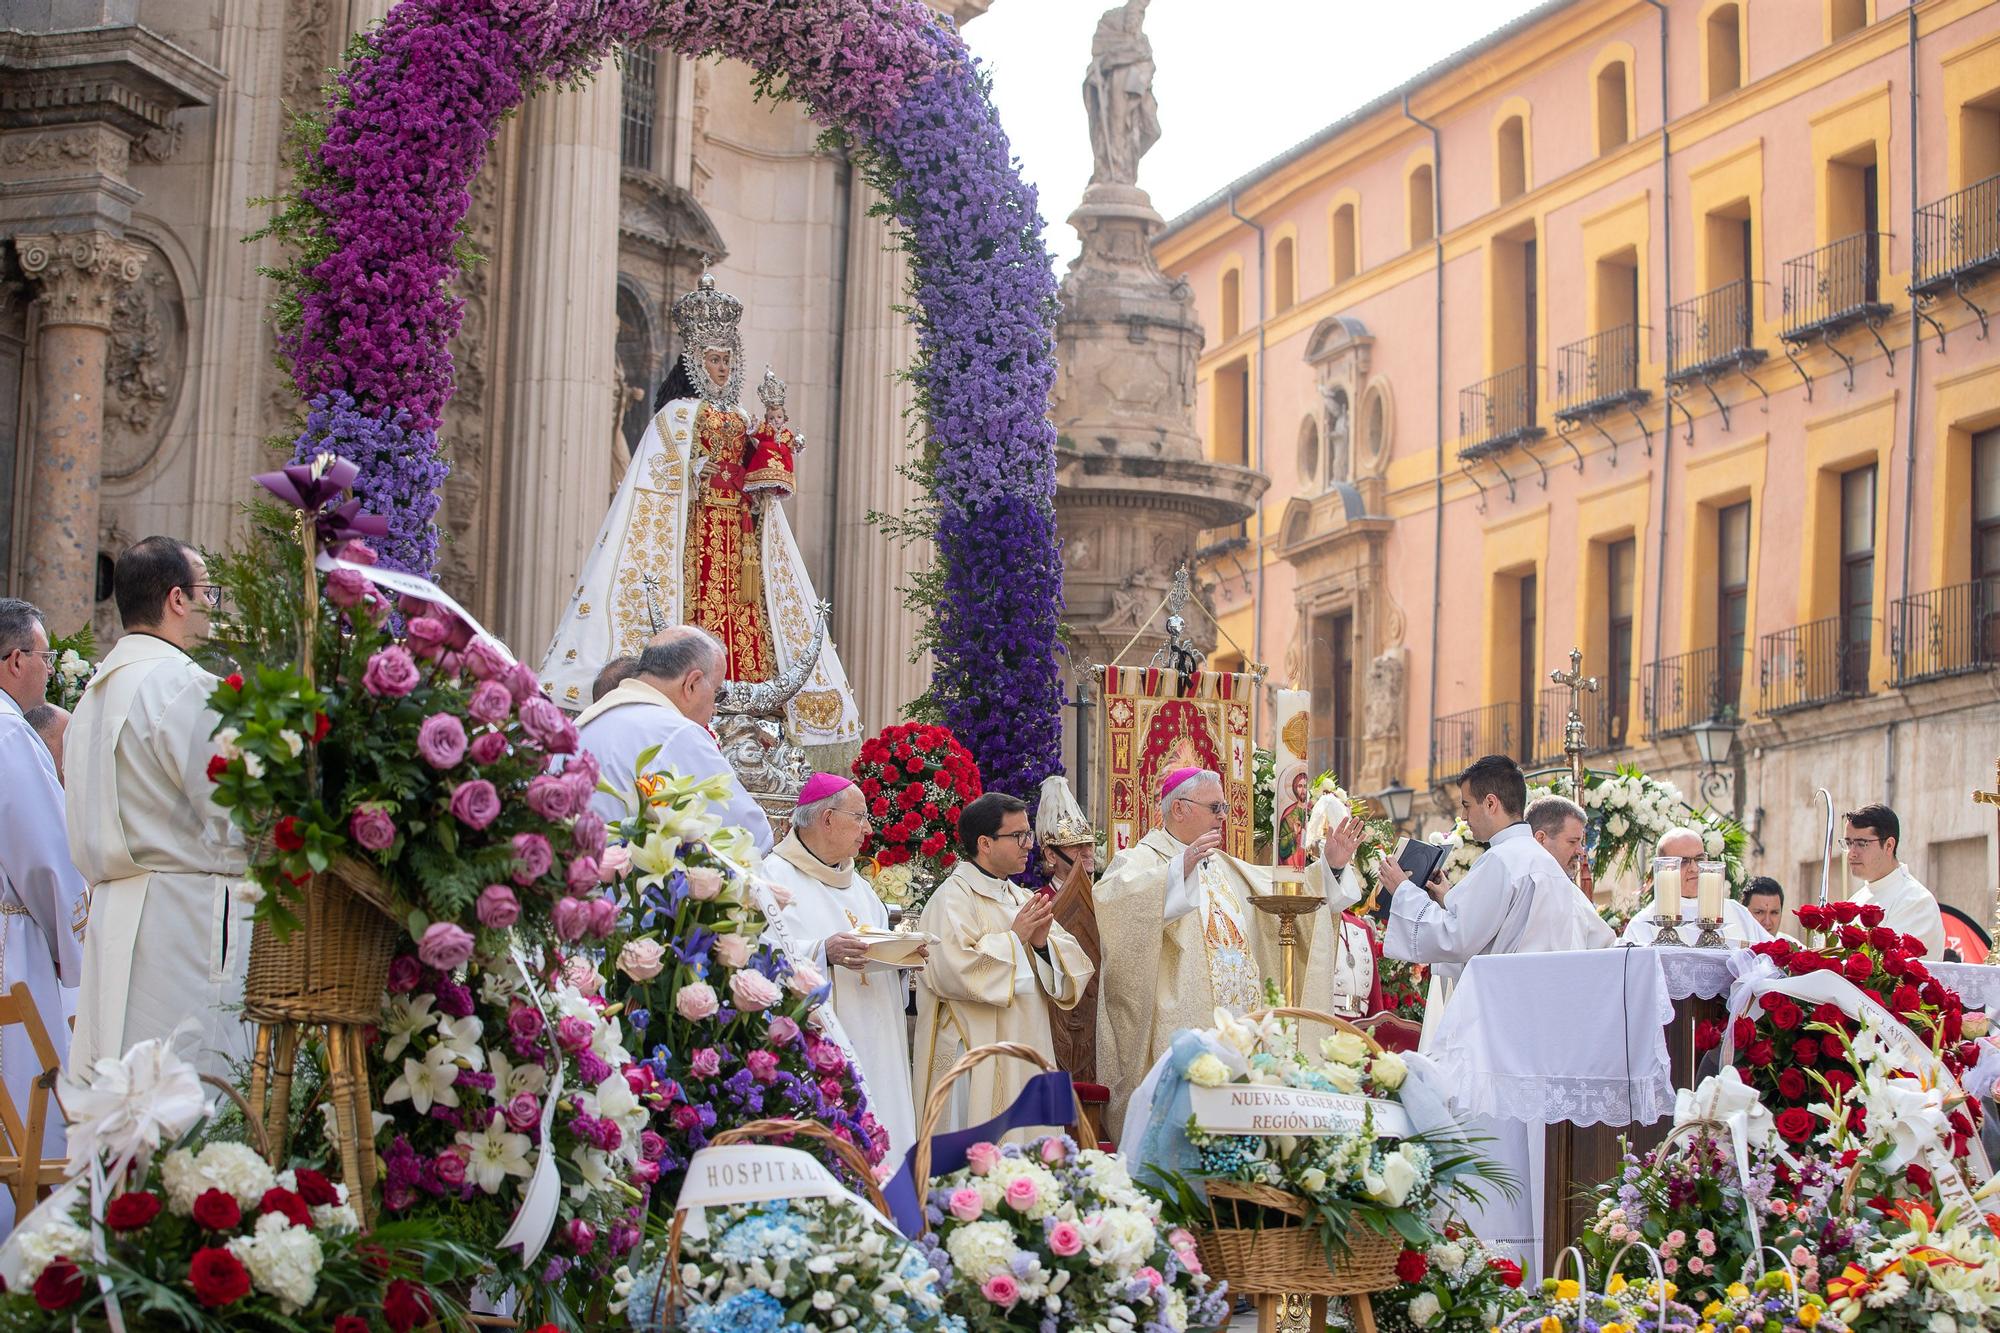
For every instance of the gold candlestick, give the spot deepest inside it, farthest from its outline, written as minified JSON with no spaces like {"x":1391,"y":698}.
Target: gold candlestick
{"x":1288,"y":908}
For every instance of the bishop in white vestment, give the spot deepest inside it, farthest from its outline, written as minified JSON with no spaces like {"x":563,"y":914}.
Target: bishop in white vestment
{"x":42,"y":900}
{"x":830,"y":904}
{"x":1181,"y":939}
{"x":169,"y":935}
{"x":666,"y":707}
{"x":999,"y":953}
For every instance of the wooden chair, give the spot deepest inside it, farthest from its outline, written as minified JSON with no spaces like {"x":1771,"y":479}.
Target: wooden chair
{"x":23,"y":1169}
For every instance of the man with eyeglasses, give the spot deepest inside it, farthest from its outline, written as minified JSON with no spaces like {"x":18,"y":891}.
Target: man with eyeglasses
{"x":824,"y":923}
{"x":42,"y":900}
{"x":999,"y":961}
{"x":169,"y":931}
{"x":1874,"y":834}
{"x":1180,"y":938}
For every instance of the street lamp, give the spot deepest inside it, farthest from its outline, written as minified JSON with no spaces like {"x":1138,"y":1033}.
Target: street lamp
{"x":1396,"y":802}
{"x":1715,"y":741}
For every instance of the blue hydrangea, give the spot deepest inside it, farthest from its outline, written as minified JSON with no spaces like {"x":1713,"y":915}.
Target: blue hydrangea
{"x":745,"y":1312}
{"x":774,"y":1234}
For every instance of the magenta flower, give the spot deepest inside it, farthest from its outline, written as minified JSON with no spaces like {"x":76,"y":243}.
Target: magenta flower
{"x":570,"y":919}
{"x":532,"y":858}
{"x":444,"y":946}
{"x":523,"y":1112}
{"x":586,"y":835}
{"x":490,"y":702}
{"x":488,"y":747}
{"x":547,"y":725}
{"x":498,"y":908}
{"x":391,"y":673}
{"x":404,"y":974}
{"x":582,"y":876}
{"x":371,"y":826}
{"x":763,"y":1065}
{"x":550,"y":796}
{"x":573,"y":1033}
{"x":450,"y":1169}
{"x":427,"y":636}
{"x":706,"y":1062}
{"x":475,"y":804}
{"x":525,"y":1022}
{"x":346,"y":588}
{"x":441,"y":740}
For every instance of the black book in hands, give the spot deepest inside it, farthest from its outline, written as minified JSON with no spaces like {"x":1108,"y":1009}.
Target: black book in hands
{"x":1420,"y":859}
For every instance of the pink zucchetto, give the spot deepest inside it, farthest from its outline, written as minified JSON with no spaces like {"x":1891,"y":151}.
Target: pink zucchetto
{"x":822,"y":785}
{"x":1176,"y":778}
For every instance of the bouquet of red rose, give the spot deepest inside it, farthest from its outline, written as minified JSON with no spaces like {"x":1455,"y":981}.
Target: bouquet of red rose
{"x":917,"y":778}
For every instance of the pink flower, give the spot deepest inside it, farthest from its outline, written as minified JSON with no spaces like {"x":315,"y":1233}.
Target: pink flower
{"x":763,"y":1066}
{"x":358,"y":552}
{"x":521,"y":682}
{"x":450,"y":1168}
{"x":602,"y":917}
{"x":573,"y":1032}
{"x":1696,"y":1265}
{"x":966,"y":1205}
{"x":441,"y":740}
{"x":372,"y":827}
{"x":696,"y":1001}
{"x":612,"y":862}
{"x":783,"y":1031}
{"x":582,"y":876}
{"x":488,"y":747}
{"x":498,"y":907}
{"x":426,"y":635}
{"x":582,"y":974}
{"x":641,"y":959}
{"x":391,"y":673}
{"x":571,"y":919}
{"x":547,"y":725}
{"x":1065,"y":1239}
{"x":525,"y":1022}
{"x":1002,"y":1290}
{"x":532,"y":857}
{"x":1152,"y":1277}
{"x":404,"y":974}
{"x":550,"y":797}
{"x":829,"y":1088}
{"x":706,"y":1062}
{"x":586,"y":837}
{"x":524,"y":1111}
{"x":732,"y":950}
{"x":806,"y":978}
{"x":752,"y":991}
{"x":1022,"y":1194}
{"x":651,"y":1146}
{"x":444,"y":946}
{"x":475,"y":803}
{"x":982,"y":1158}
{"x":1052,"y":1151}
{"x":686,"y":1118}
{"x":582,"y":1235}
{"x":780,"y":895}
{"x":346,"y":587}
{"x":486,"y":662}
{"x":490,"y":702}
{"x":704,"y":883}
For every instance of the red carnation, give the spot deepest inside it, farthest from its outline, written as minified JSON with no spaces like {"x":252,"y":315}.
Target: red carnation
{"x":129,"y":1212}
{"x":285,"y":835}
{"x":1411,"y":1266}
{"x":1509,"y":1271}
{"x":912,"y":796}
{"x":287,"y":1204}
{"x":1872,"y":914}
{"x":217,"y":766}
{"x":871,"y":788}
{"x":218,"y":1277}
{"x":1859,"y":967}
{"x":406,"y":1305}
{"x":913,"y":765}
{"x":1760,"y":1054}
{"x":1796,"y":1124}
{"x":315,"y":1188}
{"x":1919,"y":1178}
{"x":59,"y":1285}
{"x":217,"y":1211}
{"x":234,"y":680}
{"x":879,"y":807}
{"x":1791,"y":1085}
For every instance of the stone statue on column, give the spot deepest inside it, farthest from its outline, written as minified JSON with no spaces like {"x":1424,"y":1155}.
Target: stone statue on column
{"x":1118,"y":96}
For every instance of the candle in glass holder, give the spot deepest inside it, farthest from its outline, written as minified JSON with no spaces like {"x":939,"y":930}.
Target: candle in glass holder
{"x":1709,"y":891}
{"x":1667,"y":889}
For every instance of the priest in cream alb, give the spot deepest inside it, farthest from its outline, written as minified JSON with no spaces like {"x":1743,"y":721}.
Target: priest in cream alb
{"x":1738,"y":926}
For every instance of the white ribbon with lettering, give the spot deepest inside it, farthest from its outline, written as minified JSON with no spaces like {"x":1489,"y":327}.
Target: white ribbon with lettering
{"x":535,"y":1219}
{"x":1253,"y":1108}
{"x":756,"y":1173}
{"x":416,"y":585}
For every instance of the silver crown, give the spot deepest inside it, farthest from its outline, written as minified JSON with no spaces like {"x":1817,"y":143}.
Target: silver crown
{"x":771,"y":390}
{"x":708,"y":318}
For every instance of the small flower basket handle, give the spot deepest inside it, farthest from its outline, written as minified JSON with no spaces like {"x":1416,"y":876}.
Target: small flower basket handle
{"x":1582,"y":1274}
{"x":1315,"y":1016}
{"x":755,"y":1130}
{"x":1714,"y":1129}
{"x":1756,"y":1262}
{"x":1659,"y":1273}
{"x":940,"y":1097}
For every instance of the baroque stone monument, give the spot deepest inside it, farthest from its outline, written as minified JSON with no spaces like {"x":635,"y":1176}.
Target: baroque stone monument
{"x":1134,"y":486}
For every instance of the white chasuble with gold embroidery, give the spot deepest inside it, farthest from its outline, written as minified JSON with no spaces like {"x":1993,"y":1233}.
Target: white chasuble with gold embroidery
{"x":635,"y":582}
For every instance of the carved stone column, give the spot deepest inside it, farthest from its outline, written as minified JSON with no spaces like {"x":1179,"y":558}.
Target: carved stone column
{"x":875,"y":635}
{"x":557,"y":458}
{"x":78,"y":275}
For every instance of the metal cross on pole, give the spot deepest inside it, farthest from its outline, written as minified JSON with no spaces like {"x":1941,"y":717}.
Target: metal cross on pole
{"x":1578,"y":683}
{"x":1992,"y":798}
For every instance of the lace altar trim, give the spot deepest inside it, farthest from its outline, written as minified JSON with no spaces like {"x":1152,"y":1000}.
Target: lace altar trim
{"x":1542,"y":1100}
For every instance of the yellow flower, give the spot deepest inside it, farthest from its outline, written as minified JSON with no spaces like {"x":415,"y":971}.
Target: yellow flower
{"x":1615,"y":1285}
{"x":1705,"y":1327}
{"x":1742,"y":1328}
{"x":1808,"y":1315}
{"x":1612,"y":1328}
{"x":1711,"y":1310}
{"x":1737,"y":1291}
{"x":1566,"y":1289}
{"x":1551,"y":1324}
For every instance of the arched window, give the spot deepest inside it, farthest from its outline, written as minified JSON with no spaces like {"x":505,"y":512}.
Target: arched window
{"x":1423,"y":223}
{"x":1510,"y":159}
{"x":1284,"y":276}
{"x":1614,"y":127}
{"x":1309,"y":455}
{"x":1232,"y":304}
{"x":1375,"y":428}
{"x":1346,"y":244}
{"x":1722,"y":58}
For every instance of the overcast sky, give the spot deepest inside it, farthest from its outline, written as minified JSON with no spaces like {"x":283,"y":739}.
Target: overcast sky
{"x":1239,"y":81}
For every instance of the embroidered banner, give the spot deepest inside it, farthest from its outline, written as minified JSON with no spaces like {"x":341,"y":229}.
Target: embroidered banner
{"x":755,"y":1173}
{"x":1152,"y":724}
{"x":1250,"y":1108}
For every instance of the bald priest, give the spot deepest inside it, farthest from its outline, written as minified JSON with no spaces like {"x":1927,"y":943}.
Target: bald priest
{"x":1181,"y":939}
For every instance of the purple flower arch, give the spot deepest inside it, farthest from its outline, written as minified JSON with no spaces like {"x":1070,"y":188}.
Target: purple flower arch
{"x":366,"y":314}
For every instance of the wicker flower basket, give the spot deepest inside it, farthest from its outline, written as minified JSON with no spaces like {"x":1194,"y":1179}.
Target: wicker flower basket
{"x":1262,"y":1256}
{"x":333,"y":968}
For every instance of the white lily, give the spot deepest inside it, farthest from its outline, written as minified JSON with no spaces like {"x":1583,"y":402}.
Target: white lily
{"x":461,"y":1036}
{"x":497,"y":1154}
{"x":407,"y":1016}
{"x":426,"y":1083}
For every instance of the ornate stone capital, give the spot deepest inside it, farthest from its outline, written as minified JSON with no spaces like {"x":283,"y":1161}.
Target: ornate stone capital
{"x":79,"y":274}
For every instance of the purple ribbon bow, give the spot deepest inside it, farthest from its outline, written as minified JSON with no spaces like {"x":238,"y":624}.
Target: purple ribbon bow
{"x":311,"y":486}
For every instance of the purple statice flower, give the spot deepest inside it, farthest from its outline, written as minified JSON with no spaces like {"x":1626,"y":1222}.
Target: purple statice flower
{"x":453,"y":999}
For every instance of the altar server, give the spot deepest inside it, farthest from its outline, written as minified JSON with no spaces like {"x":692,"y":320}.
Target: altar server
{"x":999,"y":953}
{"x":1181,"y":939}
{"x":830,"y":903}
{"x":1738,"y":926}
{"x":1874,"y":834}
{"x":668,"y":703}
{"x":1764,"y":899}
{"x":169,"y":934}
{"x":42,"y":902}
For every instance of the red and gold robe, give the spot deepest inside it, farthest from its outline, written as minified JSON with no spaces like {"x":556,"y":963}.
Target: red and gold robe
{"x":724,"y":566}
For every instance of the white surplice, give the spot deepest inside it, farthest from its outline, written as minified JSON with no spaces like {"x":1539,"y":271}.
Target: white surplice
{"x":169,"y":938}
{"x":833,"y":900}
{"x":42,"y":914}
{"x":1738,"y":926}
{"x":1514,"y":899}
{"x":1909,"y":907}
{"x":635,"y":718}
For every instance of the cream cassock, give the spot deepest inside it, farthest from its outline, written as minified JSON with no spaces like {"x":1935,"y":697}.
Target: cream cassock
{"x":169,"y":937}
{"x":42,"y":912}
{"x":1909,"y":907}
{"x":832,"y":900}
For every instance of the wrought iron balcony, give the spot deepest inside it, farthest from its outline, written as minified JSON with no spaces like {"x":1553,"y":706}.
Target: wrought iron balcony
{"x":1958,"y":237}
{"x":1947,"y":632}
{"x":1552,"y":721}
{"x":1459,"y":738}
{"x":1599,"y":372}
{"x":1498,"y":413}
{"x":1711,"y":333}
{"x":1820,"y":662}
{"x":1834,"y":286}
{"x":1675,"y":693}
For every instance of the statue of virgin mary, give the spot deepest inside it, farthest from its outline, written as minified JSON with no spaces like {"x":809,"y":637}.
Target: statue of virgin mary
{"x":697,"y":535}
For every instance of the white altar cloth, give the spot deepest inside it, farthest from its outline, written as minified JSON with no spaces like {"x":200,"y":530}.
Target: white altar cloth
{"x":1705,"y":973}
